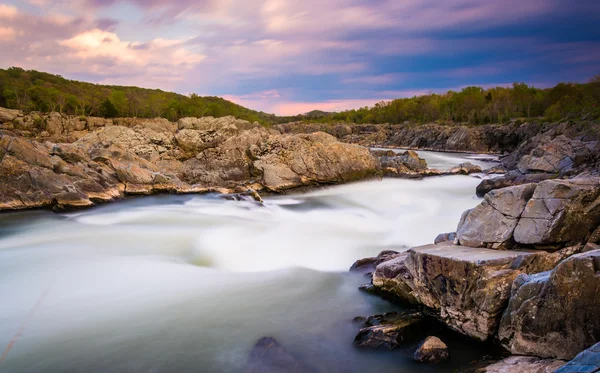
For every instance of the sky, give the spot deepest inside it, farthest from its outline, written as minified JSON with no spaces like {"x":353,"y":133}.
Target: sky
{"x":292,"y":56}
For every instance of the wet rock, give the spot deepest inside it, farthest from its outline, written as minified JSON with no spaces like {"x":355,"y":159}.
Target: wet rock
{"x":369,"y":264}
{"x":493,"y":222}
{"x":268,"y":356}
{"x":466,"y":288}
{"x":555,"y":314}
{"x":445,"y":237}
{"x":465,"y":169}
{"x":432,"y":351}
{"x":384,"y":153}
{"x":389,"y":330}
{"x":519,"y":364}
{"x":587,"y":361}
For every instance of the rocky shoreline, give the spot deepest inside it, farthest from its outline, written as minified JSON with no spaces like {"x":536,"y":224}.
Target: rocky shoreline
{"x":522,"y":271}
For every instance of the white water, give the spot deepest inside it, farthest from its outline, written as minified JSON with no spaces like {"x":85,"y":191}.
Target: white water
{"x":189,"y":283}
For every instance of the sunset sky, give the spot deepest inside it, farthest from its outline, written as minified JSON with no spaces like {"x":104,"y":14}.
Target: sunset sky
{"x":292,"y":56}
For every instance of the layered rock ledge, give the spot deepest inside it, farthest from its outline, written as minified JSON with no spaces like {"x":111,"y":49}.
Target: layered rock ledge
{"x":51,"y":160}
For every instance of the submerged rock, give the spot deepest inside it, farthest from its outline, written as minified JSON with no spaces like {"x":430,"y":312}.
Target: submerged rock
{"x":555,"y":314}
{"x":268,"y":356}
{"x":389,"y":330}
{"x":432,"y":350}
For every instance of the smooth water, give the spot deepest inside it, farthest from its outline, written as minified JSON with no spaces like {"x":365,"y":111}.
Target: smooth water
{"x":190,"y":283}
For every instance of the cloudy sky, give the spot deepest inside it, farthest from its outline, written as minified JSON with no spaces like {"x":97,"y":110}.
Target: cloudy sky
{"x":292,"y":56}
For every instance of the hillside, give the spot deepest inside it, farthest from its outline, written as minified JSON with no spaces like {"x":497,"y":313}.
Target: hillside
{"x":38,"y":91}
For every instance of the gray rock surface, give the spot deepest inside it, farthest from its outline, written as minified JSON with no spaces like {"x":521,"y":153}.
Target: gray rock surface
{"x":389,"y":330}
{"x":555,"y":314}
{"x":465,"y":288}
{"x":521,"y":364}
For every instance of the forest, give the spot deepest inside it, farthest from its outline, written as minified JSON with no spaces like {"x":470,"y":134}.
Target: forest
{"x":38,"y":91}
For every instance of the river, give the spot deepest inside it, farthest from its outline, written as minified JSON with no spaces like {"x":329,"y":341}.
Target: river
{"x":190,"y":283}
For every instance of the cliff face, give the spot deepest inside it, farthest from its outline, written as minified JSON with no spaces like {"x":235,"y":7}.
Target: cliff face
{"x":50,"y":160}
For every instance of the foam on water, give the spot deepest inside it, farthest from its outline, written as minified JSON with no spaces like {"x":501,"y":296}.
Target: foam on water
{"x":189,"y":283}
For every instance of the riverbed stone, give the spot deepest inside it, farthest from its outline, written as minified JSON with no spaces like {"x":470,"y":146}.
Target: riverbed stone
{"x":432,"y":350}
{"x":555,"y":314}
{"x":466,"y":288}
{"x":268,"y":355}
{"x":389,"y":330}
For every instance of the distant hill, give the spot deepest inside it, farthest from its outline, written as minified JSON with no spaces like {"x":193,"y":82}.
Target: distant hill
{"x":38,"y":91}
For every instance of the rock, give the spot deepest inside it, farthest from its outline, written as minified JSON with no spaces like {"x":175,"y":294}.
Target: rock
{"x":557,"y":156}
{"x":521,"y":364}
{"x":493,"y":222}
{"x":560,"y":211}
{"x":510,"y":179}
{"x":388,"y":330}
{"x":268,"y":356}
{"x":555,"y":314}
{"x":445,"y":237}
{"x":8,"y":115}
{"x":465,"y":169}
{"x":587,"y":361}
{"x":432,"y":350}
{"x":369,"y":264}
{"x":465,"y":288}
{"x":384,"y":153}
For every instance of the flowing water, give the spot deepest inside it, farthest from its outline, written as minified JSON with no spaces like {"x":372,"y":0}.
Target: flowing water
{"x":190,"y":283}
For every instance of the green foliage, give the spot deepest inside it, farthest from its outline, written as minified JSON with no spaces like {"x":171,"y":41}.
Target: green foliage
{"x":37,"y":91}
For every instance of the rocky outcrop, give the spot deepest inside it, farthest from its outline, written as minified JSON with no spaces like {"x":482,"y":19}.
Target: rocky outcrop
{"x":465,"y":169}
{"x":432,"y":350}
{"x":367,"y":265}
{"x":587,"y":361}
{"x":388,"y":330}
{"x":405,"y":165}
{"x":154,"y":156}
{"x":465,"y":288}
{"x":555,"y":314}
{"x":511,"y":178}
{"x":551,"y":214}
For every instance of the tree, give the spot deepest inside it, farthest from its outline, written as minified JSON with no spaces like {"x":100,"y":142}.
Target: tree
{"x":108,"y":109}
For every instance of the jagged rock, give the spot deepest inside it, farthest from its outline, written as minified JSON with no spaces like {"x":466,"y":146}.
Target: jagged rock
{"x":465,"y":288}
{"x":555,"y":314}
{"x":492,"y":223}
{"x":388,"y":330}
{"x":432,"y":350}
{"x":560,"y":211}
{"x":268,"y":356}
{"x":520,"y":364}
{"x":587,"y":361}
{"x":465,"y":169}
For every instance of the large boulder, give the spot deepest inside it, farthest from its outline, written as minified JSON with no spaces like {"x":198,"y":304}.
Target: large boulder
{"x":549,"y":215}
{"x":492,"y":223}
{"x":513,"y":178}
{"x":465,"y":288}
{"x":560,"y":211}
{"x":555,"y":314}
{"x":8,"y":115}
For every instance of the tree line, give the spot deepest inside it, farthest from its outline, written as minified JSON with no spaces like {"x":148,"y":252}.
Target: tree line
{"x":38,"y":91}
